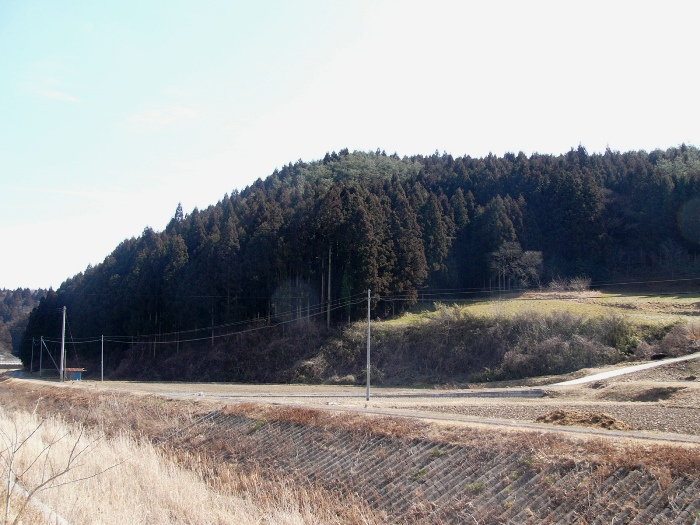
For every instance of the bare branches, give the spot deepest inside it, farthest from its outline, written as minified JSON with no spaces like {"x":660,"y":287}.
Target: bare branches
{"x":30,"y":462}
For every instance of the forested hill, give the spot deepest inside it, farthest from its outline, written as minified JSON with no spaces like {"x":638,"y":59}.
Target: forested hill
{"x":398,"y":226}
{"x":15,"y":306}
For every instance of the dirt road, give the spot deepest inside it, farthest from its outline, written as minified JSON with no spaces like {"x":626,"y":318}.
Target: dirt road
{"x":657,"y":401}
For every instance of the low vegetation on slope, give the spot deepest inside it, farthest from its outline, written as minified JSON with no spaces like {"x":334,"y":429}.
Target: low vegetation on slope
{"x":521,"y":337}
{"x":87,"y":478}
{"x":513,"y":338}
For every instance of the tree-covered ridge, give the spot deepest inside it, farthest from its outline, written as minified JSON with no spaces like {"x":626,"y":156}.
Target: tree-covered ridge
{"x":15,"y":306}
{"x":321,"y":233}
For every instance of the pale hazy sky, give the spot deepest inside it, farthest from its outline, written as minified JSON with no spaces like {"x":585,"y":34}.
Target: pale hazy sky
{"x":112,"y":112}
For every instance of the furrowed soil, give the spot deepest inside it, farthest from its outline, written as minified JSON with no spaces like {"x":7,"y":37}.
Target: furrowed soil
{"x":623,"y":450}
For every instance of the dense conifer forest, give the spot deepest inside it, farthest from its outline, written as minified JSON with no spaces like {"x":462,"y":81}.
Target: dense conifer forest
{"x":313,"y":237}
{"x":15,"y":306}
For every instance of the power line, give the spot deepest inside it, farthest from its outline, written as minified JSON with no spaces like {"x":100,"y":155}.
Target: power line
{"x":321,"y":308}
{"x":143,"y":339}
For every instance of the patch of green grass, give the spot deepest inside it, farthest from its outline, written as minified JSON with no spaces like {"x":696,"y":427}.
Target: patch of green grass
{"x":526,"y":461}
{"x":410,"y":318}
{"x":418,"y":473}
{"x":258,"y":425}
{"x":475,"y":487}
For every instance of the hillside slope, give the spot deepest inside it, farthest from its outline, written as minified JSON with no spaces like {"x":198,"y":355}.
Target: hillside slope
{"x":518,"y":336}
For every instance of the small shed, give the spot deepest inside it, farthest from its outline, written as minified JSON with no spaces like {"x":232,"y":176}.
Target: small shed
{"x":74,"y":374}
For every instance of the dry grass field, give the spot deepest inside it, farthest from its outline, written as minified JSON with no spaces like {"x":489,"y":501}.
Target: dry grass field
{"x":116,"y":480}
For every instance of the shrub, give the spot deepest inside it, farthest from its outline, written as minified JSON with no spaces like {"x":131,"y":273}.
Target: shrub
{"x":615,"y":331}
{"x":580,"y":283}
{"x":553,"y":356}
{"x":683,"y":339}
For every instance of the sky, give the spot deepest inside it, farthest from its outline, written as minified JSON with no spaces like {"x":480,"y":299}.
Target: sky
{"x":113,"y":112}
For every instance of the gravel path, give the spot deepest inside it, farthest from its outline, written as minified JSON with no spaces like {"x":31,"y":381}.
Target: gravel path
{"x":627,"y":370}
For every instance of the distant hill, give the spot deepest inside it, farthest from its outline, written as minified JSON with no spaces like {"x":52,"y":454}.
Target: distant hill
{"x":15,"y":306}
{"x":312,"y":238}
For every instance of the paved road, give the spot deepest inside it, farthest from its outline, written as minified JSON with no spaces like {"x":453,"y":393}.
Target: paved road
{"x":625,"y":370}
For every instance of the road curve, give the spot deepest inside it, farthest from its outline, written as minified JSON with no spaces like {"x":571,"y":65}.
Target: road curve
{"x":625,"y":370}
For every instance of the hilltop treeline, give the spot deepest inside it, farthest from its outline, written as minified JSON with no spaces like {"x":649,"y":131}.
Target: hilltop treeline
{"x":399,"y":226}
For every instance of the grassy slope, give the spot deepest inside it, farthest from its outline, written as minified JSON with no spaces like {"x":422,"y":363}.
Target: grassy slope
{"x":638,"y":308}
{"x":521,"y":335}
{"x":511,"y":337}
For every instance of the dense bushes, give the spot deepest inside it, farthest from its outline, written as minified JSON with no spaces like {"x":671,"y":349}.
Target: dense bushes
{"x":455,"y":346}
{"x":449,"y":345}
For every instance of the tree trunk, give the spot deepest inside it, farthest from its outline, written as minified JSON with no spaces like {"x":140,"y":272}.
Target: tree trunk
{"x":328,"y":304}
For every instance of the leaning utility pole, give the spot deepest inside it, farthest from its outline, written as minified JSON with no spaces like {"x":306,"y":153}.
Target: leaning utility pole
{"x":63,"y":344}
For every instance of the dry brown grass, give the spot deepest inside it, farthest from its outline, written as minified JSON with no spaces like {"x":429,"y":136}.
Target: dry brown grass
{"x":358,"y":423}
{"x":272,"y":491}
{"x":124,"y":480}
{"x":550,"y":449}
{"x":135,"y":425}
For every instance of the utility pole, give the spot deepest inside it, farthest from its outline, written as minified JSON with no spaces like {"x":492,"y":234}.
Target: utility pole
{"x":31,"y":363}
{"x":63,"y":344}
{"x":102,"y":358}
{"x":369,"y":340}
{"x":41,"y":352}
